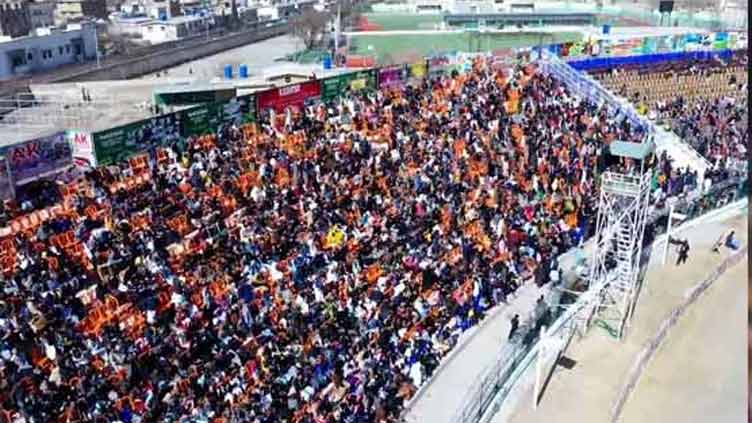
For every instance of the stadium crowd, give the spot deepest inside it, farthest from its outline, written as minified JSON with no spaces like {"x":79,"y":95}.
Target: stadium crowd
{"x":314,"y":268}
{"x":704,"y":102}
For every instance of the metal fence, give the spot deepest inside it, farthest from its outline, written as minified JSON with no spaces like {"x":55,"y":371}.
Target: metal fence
{"x":510,"y":363}
{"x":25,"y":114}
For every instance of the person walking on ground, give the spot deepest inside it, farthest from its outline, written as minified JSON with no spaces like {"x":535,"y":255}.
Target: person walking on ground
{"x":515,"y":324}
{"x":683,"y":252}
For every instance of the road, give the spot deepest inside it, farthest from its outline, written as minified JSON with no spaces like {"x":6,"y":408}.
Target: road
{"x":709,"y":341}
{"x":256,"y":56}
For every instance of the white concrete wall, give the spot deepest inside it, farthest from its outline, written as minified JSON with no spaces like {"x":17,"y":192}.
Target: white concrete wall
{"x":270,"y":12}
{"x":159,"y":33}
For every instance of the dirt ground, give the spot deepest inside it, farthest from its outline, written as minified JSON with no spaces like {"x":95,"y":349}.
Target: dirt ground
{"x":697,"y":375}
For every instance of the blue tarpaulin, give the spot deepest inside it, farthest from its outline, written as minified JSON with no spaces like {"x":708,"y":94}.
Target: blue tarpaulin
{"x":647,"y":59}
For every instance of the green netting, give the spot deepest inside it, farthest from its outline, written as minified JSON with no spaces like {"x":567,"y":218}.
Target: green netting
{"x":306,"y":56}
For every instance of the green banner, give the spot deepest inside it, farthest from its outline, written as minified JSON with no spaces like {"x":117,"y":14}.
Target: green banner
{"x":335,"y":86}
{"x":649,"y":45}
{"x":721,"y":41}
{"x":241,"y":110}
{"x":203,"y":119}
{"x":174,"y":96}
{"x":120,"y":143}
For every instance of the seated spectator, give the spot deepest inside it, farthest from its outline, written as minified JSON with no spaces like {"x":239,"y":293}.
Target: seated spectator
{"x":316,"y":266}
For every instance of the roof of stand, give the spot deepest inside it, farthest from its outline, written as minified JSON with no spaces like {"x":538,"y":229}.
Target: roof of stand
{"x":632,"y":150}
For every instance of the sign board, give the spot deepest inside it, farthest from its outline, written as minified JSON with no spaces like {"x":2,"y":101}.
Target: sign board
{"x":201,"y":120}
{"x":721,"y":41}
{"x":295,"y":96}
{"x":392,"y":77}
{"x":417,"y":71}
{"x":649,"y":45}
{"x":336,"y":86}
{"x":240,"y":110}
{"x":122,"y":142}
{"x":176,"y":95}
{"x":83,"y":148}
{"x":34,"y":158}
{"x":693,"y":42}
{"x":444,"y":64}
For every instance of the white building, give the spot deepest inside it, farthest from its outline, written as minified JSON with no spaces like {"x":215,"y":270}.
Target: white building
{"x":155,"y":9}
{"x":24,"y":55}
{"x":131,"y":26}
{"x":156,"y":32}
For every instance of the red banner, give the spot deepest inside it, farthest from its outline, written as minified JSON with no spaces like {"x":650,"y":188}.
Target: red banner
{"x":295,"y":96}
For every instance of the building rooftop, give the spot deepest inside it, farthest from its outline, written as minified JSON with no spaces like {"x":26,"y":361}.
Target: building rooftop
{"x":47,"y":32}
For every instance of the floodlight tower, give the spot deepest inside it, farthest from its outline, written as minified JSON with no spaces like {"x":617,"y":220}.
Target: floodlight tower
{"x":620,"y":228}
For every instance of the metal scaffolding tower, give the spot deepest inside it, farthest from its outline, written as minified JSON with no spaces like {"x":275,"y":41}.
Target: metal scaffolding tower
{"x":622,"y":215}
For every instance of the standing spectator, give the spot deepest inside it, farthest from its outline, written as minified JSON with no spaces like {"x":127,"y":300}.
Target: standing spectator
{"x":683,"y":252}
{"x":515,"y":322}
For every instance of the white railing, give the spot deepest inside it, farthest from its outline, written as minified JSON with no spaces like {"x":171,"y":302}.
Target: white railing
{"x":583,"y":84}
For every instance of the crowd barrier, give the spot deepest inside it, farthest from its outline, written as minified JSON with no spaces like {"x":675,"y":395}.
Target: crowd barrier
{"x":600,"y":63}
{"x":514,"y":359}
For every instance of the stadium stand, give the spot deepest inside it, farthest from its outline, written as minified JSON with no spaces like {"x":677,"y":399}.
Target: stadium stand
{"x":313,"y":268}
{"x":703,"y":102}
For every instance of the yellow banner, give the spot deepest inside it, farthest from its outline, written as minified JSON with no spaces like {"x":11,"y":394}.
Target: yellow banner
{"x":358,"y":84}
{"x":418,"y":70}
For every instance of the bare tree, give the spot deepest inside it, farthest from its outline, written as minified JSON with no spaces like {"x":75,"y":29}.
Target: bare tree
{"x":310,"y":26}
{"x":388,"y":59}
{"x":114,"y":41}
{"x":350,"y":11}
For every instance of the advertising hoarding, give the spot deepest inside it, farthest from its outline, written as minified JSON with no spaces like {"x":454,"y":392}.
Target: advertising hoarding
{"x":120,"y":143}
{"x":336,"y":86}
{"x":83,"y":148}
{"x":201,"y":120}
{"x":392,"y":77}
{"x":31,"y":159}
{"x":295,"y":96}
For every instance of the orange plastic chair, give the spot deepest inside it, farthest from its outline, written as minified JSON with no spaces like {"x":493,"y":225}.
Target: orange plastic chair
{"x":162,"y":156}
{"x":8,"y":264}
{"x":164,"y":301}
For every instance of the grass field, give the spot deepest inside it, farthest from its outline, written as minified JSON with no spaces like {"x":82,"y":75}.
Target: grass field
{"x":398,"y":47}
{"x":401,"y":21}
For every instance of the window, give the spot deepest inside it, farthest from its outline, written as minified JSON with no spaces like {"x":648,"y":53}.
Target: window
{"x":60,"y":50}
{"x":29,"y":56}
{"x":67,"y":49}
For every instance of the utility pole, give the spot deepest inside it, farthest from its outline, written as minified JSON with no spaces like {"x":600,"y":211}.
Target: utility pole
{"x":206,"y":17}
{"x":96,"y":43}
{"x":336,"y":32}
